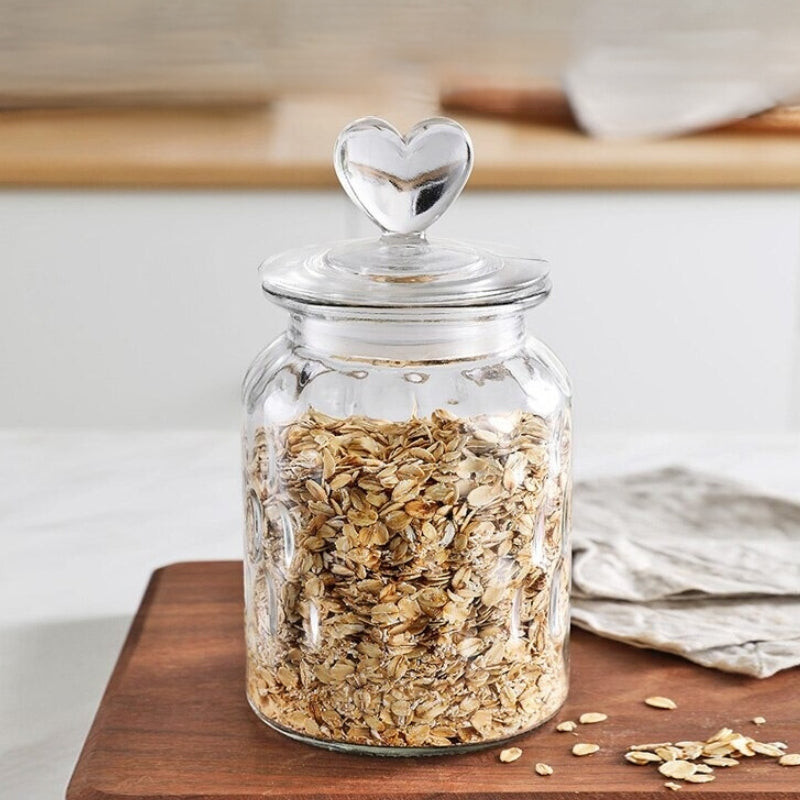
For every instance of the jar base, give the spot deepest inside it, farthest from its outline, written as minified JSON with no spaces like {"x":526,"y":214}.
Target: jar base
{"x":387,"y":750}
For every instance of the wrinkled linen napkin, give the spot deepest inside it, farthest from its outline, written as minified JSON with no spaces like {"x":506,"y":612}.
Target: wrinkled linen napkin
{"x":691,"y":564}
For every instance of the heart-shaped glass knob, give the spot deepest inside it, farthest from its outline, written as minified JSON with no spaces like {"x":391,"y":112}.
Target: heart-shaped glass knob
{"x":403,"y":183}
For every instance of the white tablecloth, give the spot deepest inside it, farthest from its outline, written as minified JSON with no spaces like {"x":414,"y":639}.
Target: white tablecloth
{"x":85,"y":517}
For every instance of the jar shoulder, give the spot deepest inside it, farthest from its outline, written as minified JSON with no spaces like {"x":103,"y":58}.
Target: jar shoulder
{"x":284,"y":380}
{"x":264,"y":367}
{"x":546,"y":360}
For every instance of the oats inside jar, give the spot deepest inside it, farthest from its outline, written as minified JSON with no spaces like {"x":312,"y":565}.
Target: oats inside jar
{"x":407,"y":581}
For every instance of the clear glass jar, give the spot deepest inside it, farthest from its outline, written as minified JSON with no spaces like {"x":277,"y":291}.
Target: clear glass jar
{"x":407,"y":479}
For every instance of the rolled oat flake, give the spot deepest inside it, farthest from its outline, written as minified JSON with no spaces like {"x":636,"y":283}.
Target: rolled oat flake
{"x":407,"y":450}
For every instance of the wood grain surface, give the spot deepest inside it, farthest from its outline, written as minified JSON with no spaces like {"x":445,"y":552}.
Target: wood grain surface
{"x":174,"y":722}
{"x":288,"y":144}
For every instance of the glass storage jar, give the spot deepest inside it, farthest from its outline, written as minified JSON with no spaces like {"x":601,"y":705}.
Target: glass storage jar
{"x":407,"y":477}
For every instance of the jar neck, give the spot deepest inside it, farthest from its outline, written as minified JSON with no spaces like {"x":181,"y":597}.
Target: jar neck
{"x":416,"y":340}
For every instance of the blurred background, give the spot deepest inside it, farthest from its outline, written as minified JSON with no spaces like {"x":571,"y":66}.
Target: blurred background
{"x":152,"y":154}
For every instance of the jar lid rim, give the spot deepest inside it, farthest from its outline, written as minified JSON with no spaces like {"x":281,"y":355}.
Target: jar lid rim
{"x":421,"y":273}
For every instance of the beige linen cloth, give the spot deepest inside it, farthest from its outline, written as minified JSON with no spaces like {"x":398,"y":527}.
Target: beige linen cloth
{"x":691,"y":564}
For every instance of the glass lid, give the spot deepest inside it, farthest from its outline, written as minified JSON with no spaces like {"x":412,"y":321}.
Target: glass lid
{"x":404,"y":184}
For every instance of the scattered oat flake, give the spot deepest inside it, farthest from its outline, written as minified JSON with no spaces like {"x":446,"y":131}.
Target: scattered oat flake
{"x":682,"y":760}
{"x":691,"y":750}
{"x":668,"y":753}
{"x":672,"y":785}
{"x":721,"y":761}
{"x":722,"y":733}
{"x":642,"y":757}
{"x":718,"y":749}
{"x":766,"y":749}
{"x":584,"y":749}
{"x":661,"y":702}
{"x":742,"y":745}
{"x":543,"y":769}
{"x":699,"y":778}
{"x":510,"y":754}
{"x":677,"y":769}
{"x":758,"y":720}
{"x":592,"y":716}
{"x":567,"y":726}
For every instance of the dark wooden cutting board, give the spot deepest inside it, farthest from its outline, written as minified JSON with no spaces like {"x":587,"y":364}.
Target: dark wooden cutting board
{"x":174,"y":722}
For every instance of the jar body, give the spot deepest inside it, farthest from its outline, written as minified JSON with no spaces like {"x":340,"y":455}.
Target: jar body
{"x":407,"y":557}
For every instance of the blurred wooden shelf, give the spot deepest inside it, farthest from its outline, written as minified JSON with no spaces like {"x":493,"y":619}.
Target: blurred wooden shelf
{"x":288,"y":145}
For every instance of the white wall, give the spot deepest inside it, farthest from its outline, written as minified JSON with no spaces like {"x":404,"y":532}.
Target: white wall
{"x":140,"y":309}
{"x":673,"y":311}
